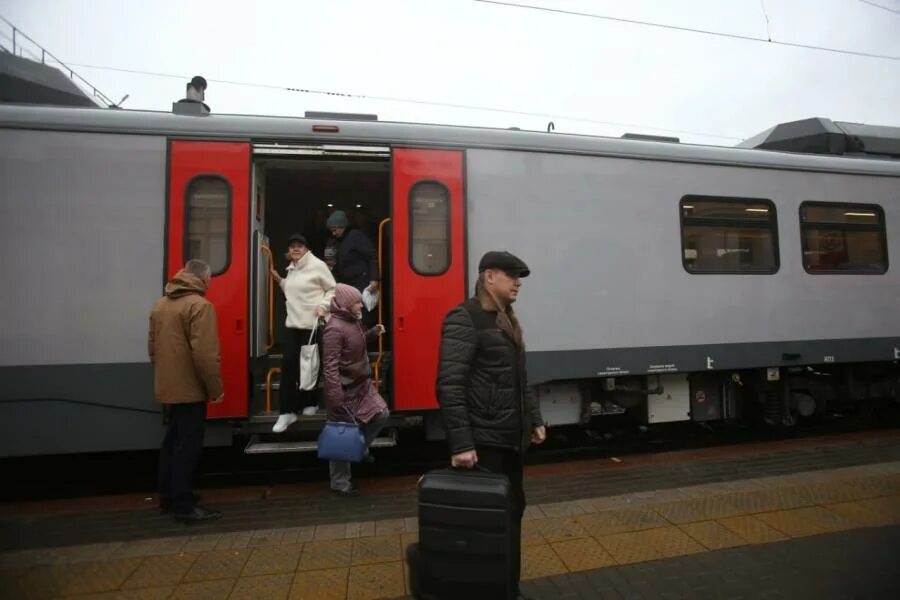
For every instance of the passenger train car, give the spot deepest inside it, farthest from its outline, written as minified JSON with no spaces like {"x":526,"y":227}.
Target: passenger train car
{"x":673,"y":282}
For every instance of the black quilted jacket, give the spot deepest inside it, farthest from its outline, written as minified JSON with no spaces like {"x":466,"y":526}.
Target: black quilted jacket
{"x":481,"y":383}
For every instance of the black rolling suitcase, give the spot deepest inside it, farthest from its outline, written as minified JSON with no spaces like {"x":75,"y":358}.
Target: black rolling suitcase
{"x":464,"y":549}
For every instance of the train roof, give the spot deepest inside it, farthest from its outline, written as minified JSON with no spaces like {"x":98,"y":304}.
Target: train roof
{"x":824,"y":136}
{"x":333,"y":130}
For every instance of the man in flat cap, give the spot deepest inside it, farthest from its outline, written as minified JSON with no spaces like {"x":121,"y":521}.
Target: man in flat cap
{"x":490,"y":414}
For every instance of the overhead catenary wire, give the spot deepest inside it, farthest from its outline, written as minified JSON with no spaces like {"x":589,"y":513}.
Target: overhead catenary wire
{"x":736,"y":36}
{"x":891,"y":10}
{"x":434,"y":103}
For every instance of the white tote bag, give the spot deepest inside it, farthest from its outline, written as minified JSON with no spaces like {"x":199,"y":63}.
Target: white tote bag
{"x":309,"y":362}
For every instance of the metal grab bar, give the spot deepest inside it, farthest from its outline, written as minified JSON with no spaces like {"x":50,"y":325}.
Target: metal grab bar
{"x":377,"y":367}
{"x":271,"y":340}
{"x":269,"y":375}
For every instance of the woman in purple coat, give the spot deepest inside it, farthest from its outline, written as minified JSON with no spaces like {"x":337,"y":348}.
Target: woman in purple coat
{"x":350,"y":393}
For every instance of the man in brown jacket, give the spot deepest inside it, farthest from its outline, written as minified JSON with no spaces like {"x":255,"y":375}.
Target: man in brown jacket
{"x":184,"y":350}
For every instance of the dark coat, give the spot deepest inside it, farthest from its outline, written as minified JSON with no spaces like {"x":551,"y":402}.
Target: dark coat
{"x":482,"y":384}
{"x":357,"y":260}
{"x":348,"y":382}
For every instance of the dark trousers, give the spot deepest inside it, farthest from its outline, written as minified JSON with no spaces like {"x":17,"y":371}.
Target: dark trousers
{"x":180,"y":453}
{"x":290,"y":398}
{"x":509,"y":462}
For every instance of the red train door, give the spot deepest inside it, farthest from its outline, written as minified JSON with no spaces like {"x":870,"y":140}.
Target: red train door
{"x":428,"y":265}
{"x":208,"y":214}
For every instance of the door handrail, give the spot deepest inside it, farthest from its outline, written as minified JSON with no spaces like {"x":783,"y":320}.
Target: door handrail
{"x":377,"y":367}
{"x":269,"y":375}
{"x":270,"y":342}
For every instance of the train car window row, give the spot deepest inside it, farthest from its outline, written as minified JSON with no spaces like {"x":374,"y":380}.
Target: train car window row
{"x":740,"y":235}
{"x":429,"y":248}
{"x":843,"y":238}
{"x":729,"y":235}
{"x":207,"y":221}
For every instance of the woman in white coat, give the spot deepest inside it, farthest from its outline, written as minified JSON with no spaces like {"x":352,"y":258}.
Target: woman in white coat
{"x":308,"y":288}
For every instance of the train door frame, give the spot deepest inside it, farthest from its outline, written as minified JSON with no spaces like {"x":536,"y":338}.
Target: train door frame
{"x":271,"y":155}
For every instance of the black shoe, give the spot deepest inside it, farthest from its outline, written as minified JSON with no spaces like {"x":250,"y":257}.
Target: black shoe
{"x":165,"y":505}
{"x":198,"y":515}
{"x":352,"y":492}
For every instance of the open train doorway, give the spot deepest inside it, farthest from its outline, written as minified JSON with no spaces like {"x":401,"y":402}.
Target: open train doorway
{"x":296,"y":189}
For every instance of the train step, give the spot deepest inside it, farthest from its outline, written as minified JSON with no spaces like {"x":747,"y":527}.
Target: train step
{"x":261,"y":425}
{"x":268,"y":419}
{"x":256,"y":446}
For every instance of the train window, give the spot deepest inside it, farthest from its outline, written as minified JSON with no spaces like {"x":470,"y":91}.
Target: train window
{"x":728,"y":235}
{"x":429,"y":218}
{"x":208,"y":221}
{"x":843,"y":238}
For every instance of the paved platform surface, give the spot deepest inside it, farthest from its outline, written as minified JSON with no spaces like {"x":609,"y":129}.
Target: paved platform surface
{"x":748,"y":521}
{"x":261,"y":509}
{"x":854,"y":564}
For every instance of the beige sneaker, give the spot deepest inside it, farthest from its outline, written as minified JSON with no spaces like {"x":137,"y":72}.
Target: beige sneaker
{"x":284,"y":421}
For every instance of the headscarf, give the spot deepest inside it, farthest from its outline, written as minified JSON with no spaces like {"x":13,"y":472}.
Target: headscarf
{"x":345,"y":297}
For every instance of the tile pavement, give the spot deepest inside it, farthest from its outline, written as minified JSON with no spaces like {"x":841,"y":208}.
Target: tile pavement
{"x":569,"y":487}
{"x":565,"y":542}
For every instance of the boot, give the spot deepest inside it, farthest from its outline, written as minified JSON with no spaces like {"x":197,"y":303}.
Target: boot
{"x":198,"y":515}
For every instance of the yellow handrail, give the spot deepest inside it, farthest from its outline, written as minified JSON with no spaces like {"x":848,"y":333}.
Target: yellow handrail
{"x":269,"y":375}
{"x":271,"y":280}
{"x":377,"y":368}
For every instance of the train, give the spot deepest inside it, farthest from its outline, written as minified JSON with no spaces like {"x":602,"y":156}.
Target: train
{"x":670,"y":282}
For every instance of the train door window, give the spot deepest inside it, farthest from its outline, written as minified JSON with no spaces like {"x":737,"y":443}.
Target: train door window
{"x":208,"y":221}
{"x":429,"y":205}
{"x":729,"y":235}
{"x":843,"y":238}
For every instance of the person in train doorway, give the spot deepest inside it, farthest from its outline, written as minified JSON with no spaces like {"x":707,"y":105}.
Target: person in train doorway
{"x":489,"y":412}
{"x":184,"y":349}
{"x":350,"y":393}
{"x":356,"y":261}
{"x":318,"y":236}
{"x":308,"y":287}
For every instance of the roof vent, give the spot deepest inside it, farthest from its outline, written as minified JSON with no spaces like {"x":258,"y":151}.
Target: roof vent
{"x":333,"y":116}
{"x":650,"y":138}
{"x":193,"y":101}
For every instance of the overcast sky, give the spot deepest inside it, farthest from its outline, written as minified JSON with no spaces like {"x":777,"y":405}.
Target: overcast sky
{"x":569,"y":69}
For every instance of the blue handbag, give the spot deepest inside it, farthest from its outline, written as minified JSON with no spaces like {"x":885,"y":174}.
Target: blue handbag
{"x":342,"y":441}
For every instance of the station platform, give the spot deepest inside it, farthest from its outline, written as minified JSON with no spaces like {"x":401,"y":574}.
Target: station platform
{"x":806,"y":518}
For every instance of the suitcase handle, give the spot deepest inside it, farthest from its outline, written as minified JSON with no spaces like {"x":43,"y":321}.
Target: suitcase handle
{"x":475,"y":467}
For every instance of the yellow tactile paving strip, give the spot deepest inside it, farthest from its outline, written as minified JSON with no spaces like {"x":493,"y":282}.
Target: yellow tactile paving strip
{"x":365,"y":560}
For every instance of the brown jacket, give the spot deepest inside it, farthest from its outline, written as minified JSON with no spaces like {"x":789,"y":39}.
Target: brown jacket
{"x":184,"y":343}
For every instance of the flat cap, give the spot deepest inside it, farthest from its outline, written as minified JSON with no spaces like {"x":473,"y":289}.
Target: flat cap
{"x":504,"y":261}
